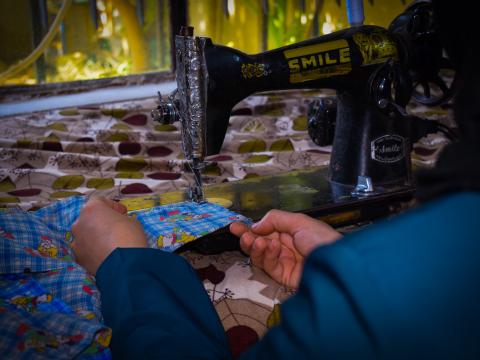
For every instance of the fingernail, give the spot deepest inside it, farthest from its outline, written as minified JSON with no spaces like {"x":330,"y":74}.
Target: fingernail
{"x":255,"y":224}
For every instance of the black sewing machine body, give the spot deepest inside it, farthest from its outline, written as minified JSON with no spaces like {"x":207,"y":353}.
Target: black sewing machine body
{"x":358,"y":63}
{"x":370,"y":68}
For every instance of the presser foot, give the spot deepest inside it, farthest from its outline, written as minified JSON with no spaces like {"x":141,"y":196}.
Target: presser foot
{"x":195,"y":193}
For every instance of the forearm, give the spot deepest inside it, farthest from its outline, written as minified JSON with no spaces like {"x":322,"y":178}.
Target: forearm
{"x":156,"y":306}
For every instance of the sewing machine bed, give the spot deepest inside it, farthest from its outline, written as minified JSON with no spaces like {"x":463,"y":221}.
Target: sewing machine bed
{"x":117,"y":151}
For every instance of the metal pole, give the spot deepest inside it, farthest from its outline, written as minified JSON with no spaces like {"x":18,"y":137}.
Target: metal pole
{"x":39,"y":19}
{"x":355,"y":12}
{"x":178,"y":16}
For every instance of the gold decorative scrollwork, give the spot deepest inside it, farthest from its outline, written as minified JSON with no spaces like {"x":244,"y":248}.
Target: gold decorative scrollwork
{"x":253,"y":70}
{"x":376,"y":47}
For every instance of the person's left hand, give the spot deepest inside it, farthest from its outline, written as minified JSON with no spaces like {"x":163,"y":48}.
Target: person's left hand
{"x":280,"y":242}
{"x":102,"y":227}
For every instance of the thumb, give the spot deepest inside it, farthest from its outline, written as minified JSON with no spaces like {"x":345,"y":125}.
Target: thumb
{"x":118,"y":207}
{"x":278,"y":220}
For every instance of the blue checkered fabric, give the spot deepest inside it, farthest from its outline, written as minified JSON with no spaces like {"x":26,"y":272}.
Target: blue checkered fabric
{"x":49,"y":305}
{"x":20,"y":291}
{"x":76,"y":289}
{"x":38,"y":263}
{"x":35,"y":324}
{"x":177,"y":224}
{"x":60,"y":215}
{"x":38,"y":241}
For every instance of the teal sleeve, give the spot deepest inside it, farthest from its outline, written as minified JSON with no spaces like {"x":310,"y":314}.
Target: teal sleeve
{"x":399,"y":289}
{"x":320,"y":321}
{"x":404,"y":288}
{"x":157,"y":308}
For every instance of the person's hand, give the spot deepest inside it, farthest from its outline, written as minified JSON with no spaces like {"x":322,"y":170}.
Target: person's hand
{"x":280,"y":242}
{"x":102,"y":227}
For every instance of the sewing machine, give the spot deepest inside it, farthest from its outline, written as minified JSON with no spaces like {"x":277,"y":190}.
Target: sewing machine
{"x":372,"y":70}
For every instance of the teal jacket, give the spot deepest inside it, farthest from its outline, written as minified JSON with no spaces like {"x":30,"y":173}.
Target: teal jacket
{"x":404,"y":288}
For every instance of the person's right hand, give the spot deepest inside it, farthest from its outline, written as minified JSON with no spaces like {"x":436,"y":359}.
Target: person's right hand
{"x":280,"y":242}
{"x":102,"y":227}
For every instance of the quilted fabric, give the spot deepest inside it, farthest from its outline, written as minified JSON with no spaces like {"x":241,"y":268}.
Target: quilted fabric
{"x":49,"y":305}
{"x":170,"y":226}
{"x":36,"y":323}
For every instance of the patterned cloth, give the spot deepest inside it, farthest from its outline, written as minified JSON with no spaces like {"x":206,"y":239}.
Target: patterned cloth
{"x":170,"y":226}
{"x":49,"y":306}
{"x":117,"y":151}
{"x":36,"y":323}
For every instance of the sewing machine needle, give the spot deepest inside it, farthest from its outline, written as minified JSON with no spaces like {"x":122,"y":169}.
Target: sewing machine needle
{"x":196,"y":191}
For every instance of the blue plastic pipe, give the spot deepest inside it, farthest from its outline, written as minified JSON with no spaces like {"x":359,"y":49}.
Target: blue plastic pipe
{"x":355,"y":12}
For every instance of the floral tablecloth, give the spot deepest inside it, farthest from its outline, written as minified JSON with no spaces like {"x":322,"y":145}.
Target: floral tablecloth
{"x":117,"y":151}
